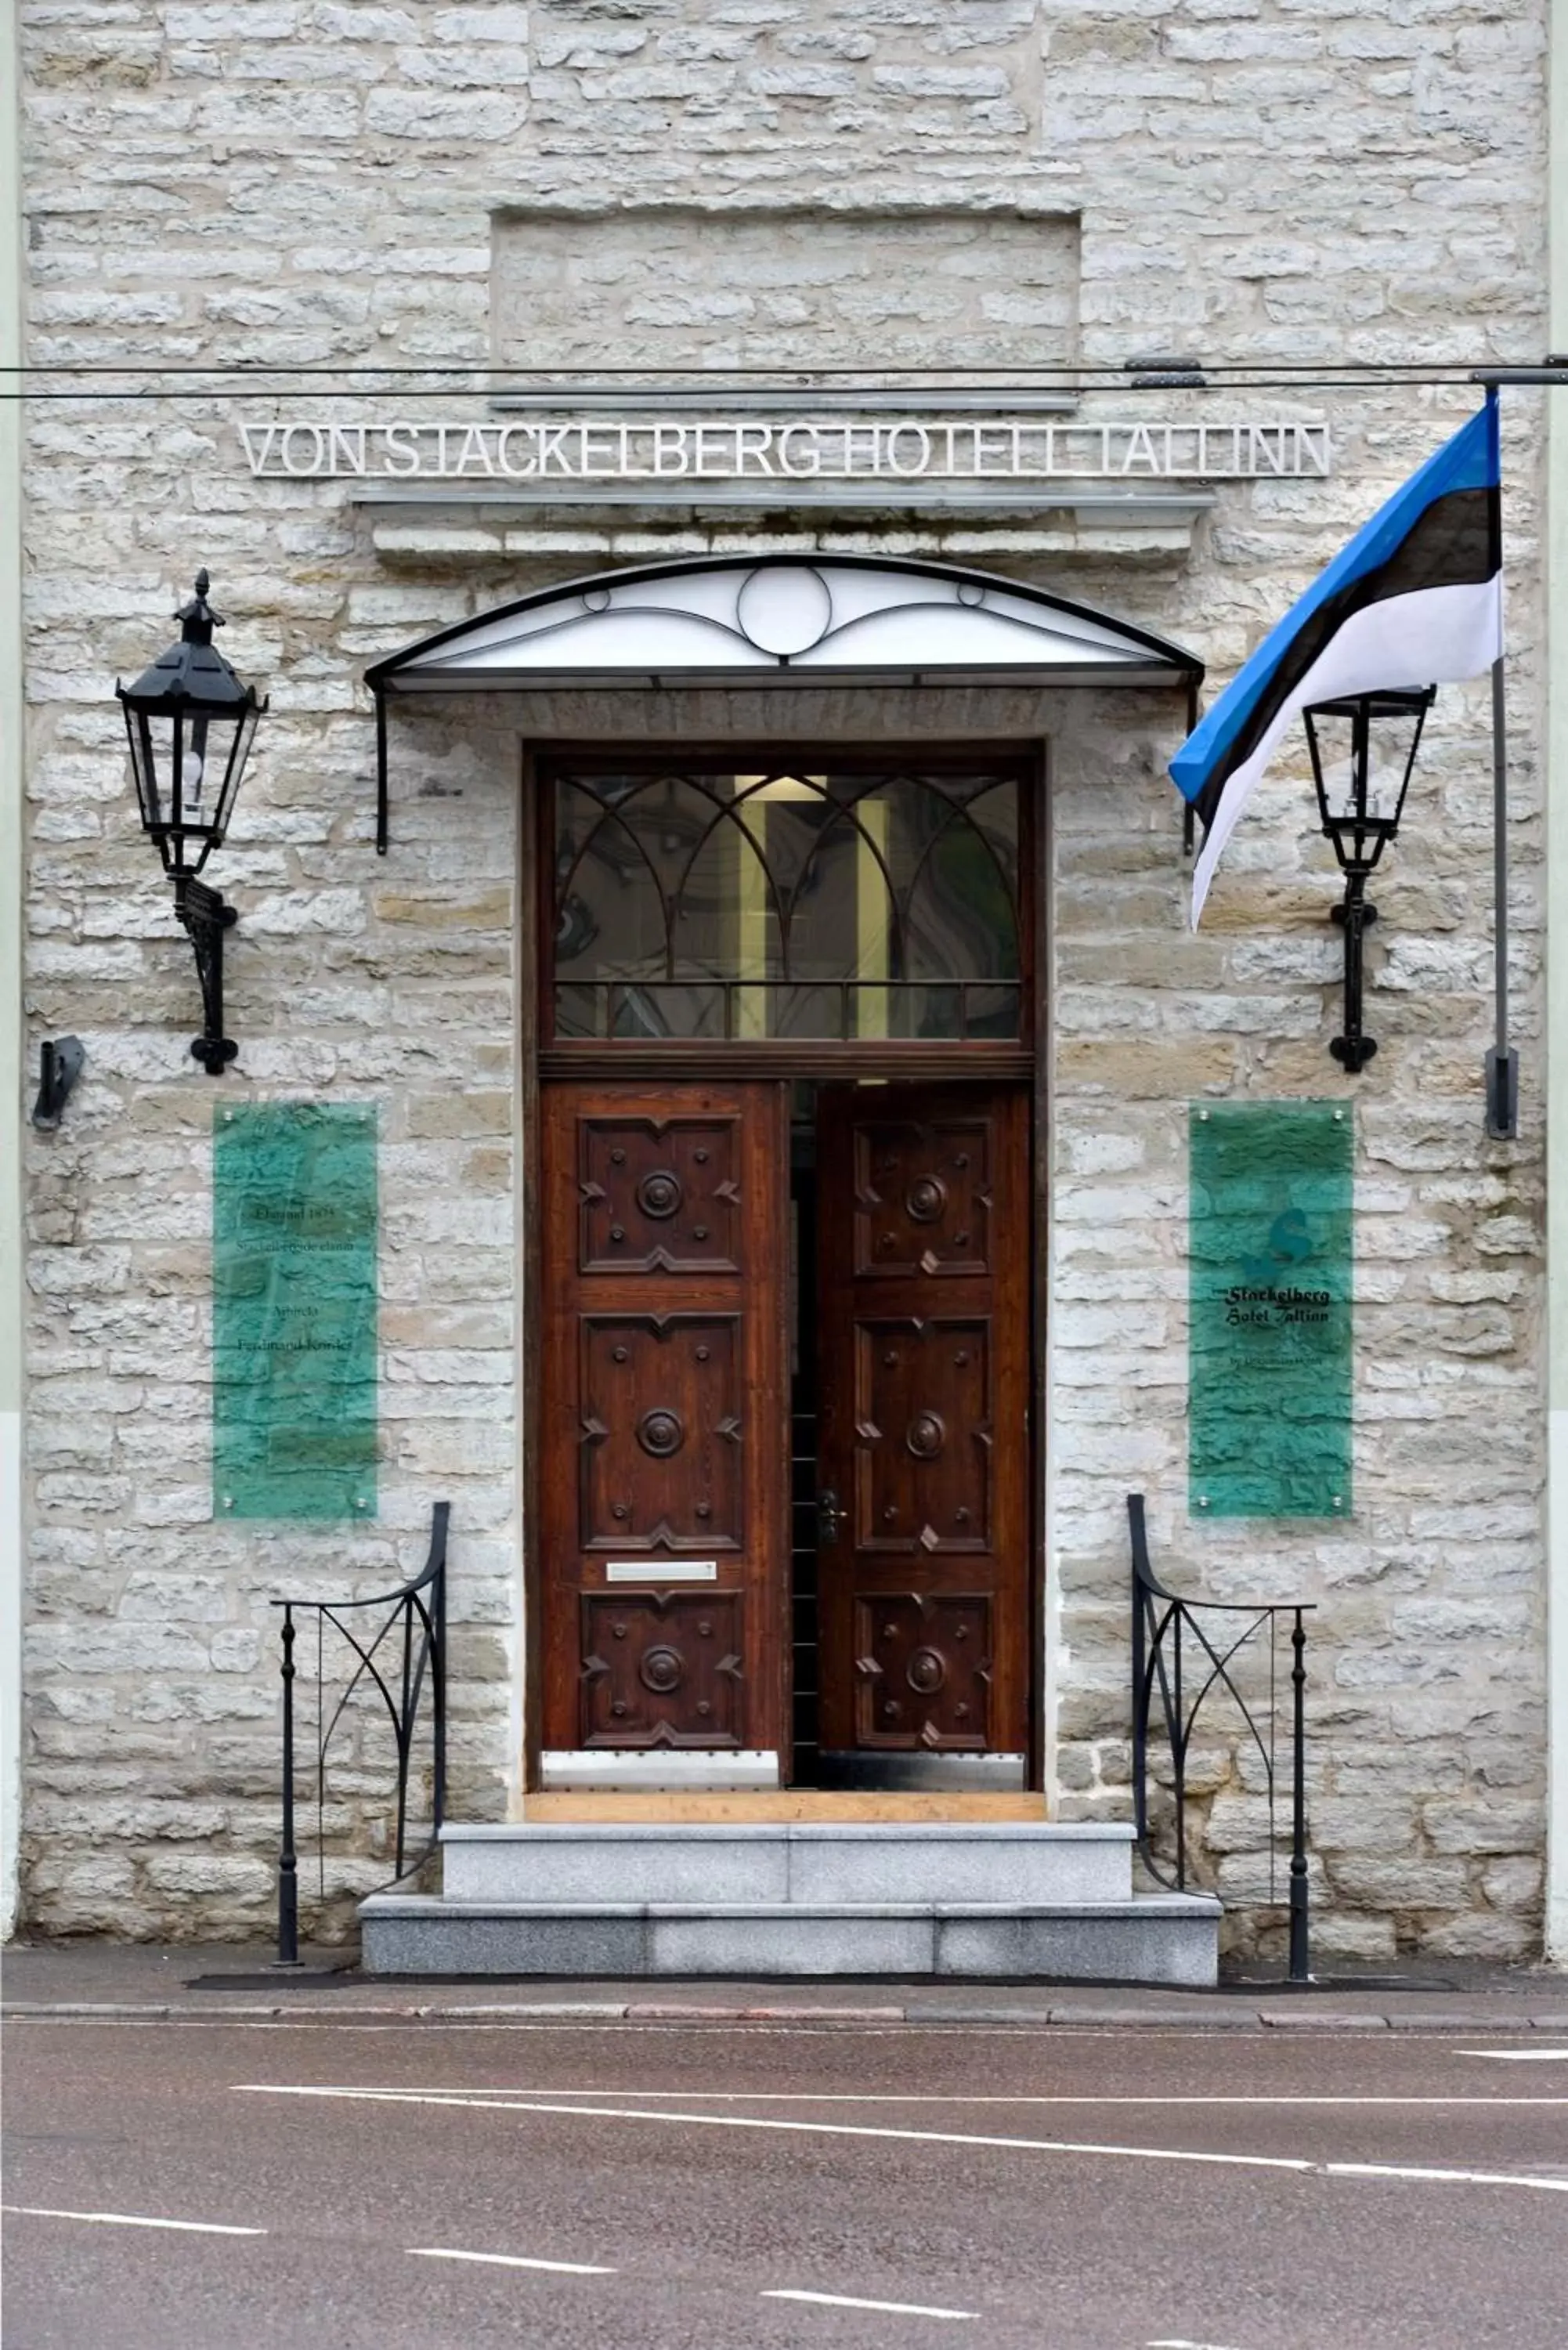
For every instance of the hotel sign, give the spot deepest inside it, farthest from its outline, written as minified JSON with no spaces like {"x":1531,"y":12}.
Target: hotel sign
{"x":295,"y":1364}
{"x":667,"y":452}
{"x":1271,"y":1301}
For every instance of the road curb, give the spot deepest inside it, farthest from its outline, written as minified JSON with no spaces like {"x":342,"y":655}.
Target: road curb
{"x":917,"y":2016}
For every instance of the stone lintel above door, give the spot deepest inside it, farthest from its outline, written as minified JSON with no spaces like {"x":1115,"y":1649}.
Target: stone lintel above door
{"x":417,"y":524}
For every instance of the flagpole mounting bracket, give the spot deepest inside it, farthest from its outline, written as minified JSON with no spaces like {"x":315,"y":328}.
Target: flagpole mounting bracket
{"x":1503,"y":1094}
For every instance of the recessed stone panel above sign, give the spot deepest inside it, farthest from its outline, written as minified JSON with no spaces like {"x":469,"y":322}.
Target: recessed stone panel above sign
{"x":671,"y":287}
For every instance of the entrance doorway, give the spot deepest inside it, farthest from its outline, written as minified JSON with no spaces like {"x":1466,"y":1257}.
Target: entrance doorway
{"x":784,"y":1341}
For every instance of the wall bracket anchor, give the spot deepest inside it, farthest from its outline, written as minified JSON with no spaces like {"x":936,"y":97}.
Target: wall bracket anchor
{"x":206,"y":918}
{"x":60,"y":1062}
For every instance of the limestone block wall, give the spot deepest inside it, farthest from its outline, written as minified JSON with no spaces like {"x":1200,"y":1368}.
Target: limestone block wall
{"x":292,"y":185}
{"x":1424,"y":1707}
{"x":152,"y":1760}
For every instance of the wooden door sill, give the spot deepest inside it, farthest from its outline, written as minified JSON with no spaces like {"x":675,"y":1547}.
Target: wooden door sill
{"x":668,"y":1808}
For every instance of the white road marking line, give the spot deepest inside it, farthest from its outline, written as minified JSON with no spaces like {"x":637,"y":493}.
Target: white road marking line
{"x":504,"y":2260}
{"x":893,"y":2098}
{"x":128,"y":2220}
{"x":1518,"y":2055}
{"x":1175,"y":2342}
{"x":1461,"y":2178}
{"x":853,"y":2301}
{"x":1296,"y":2163}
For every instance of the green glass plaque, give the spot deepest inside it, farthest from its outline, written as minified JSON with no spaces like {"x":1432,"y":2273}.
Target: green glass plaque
{"x":1270,"y":1289}
{"x":293,"y":1311}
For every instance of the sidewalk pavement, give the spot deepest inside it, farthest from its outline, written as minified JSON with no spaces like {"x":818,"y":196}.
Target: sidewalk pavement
{"x":148,"y":1982}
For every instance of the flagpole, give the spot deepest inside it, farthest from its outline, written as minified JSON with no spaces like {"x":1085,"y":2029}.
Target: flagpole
{"x":1502,"y":1061}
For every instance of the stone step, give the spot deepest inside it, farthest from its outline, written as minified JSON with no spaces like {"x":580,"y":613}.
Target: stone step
{"x":1010,"y":1861}
{"x":1155,"y":1938}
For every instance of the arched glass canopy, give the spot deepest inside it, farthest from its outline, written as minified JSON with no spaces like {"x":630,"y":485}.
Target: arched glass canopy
{"x":780,"y":620}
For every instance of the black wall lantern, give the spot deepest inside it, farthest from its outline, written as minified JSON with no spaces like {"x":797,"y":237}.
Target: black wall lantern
{"x":1363,"y":755}
{"x":190,"y":722}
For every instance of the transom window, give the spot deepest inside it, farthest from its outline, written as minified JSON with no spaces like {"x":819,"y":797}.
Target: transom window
{"x":853,"y":902}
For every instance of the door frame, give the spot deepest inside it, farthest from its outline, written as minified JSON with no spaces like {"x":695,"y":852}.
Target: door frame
{"x":971,"y":1061}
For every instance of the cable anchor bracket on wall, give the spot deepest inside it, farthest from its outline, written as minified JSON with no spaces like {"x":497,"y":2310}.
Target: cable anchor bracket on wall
{"x":60,"y":1064}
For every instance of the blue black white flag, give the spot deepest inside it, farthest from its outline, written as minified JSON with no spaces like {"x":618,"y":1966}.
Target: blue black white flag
{"x":1414,"y":600}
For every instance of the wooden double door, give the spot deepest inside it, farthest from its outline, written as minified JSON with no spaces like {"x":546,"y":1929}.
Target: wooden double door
{"x":694,"y":1323}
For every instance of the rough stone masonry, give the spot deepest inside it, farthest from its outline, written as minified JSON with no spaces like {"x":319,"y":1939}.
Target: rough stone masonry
{"x":723,"y":182}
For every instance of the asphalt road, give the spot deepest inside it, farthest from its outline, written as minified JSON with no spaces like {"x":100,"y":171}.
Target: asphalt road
{"x":712,"y":2185}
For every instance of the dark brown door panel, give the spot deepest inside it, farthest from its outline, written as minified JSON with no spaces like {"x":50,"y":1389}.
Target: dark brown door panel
{"x":924,"y":1447}
{"x":664,"y":1429}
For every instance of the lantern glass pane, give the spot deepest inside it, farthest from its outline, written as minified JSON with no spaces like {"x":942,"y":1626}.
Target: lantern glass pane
{"x":152,"y":777}
{"x":201,"y":747}
{"x":1394,"y":741}
{"x":1333,"y":762}
{"x":238,"y":738}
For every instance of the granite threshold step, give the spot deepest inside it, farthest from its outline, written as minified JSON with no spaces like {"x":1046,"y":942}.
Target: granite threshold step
{"x":817,"y":1864}
{"x":1171,"y":1939}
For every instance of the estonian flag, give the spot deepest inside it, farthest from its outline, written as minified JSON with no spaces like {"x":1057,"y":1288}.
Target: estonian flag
{"x":1414,"y":600}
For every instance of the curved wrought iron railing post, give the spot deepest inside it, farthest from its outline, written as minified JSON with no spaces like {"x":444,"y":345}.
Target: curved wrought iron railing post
{"x":437,"y":1695}
{"x":1163,"y":1622}
{"x":1178,"y":1750}
{"x":287,"y":1863}
{"x":1300,"y":1953}
{"x":418,"y":1612}
{"x":1140,"y":1667}
{"x":403,"y":1732}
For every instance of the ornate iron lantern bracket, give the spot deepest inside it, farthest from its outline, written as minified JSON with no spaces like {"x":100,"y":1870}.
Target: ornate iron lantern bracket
{"x":206,"y":917}
{"x":189,"y":722}
{"x":1355,"y":916}
{"x":1364,"y":824}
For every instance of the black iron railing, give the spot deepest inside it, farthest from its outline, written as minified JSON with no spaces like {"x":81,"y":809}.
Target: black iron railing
{"x":1171,"y":1651}
{"x":397,"y":1657}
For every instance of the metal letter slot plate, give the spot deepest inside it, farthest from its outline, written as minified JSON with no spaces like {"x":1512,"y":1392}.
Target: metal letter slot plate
{"x":662,"y":1570}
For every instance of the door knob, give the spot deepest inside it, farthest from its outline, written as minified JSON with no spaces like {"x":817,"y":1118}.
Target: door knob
{"x":829,"y":1516}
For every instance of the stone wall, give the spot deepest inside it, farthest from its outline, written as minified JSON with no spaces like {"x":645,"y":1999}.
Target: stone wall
{"x":297,"y":185}
{"x":678,"y":286}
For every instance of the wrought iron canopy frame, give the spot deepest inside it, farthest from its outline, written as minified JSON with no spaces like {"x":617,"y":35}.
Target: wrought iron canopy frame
{"x":779,"y":620}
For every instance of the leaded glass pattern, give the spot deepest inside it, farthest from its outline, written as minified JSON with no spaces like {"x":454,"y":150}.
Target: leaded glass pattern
{"x":791,"y":904}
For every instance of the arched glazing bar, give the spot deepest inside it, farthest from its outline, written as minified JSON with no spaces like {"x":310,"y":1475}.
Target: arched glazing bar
{"x":694,"y":903}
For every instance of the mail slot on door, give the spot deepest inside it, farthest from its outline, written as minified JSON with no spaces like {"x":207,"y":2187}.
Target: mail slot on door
{"x":662,"y":1570}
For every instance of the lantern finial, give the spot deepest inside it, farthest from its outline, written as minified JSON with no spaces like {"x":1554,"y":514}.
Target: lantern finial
{"x":197,"y":618}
